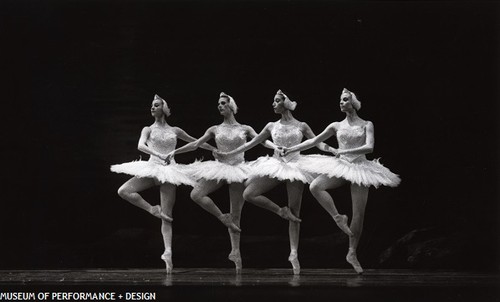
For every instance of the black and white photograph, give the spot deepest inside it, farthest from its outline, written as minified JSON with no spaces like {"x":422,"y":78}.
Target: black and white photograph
{"x":168,"y":150}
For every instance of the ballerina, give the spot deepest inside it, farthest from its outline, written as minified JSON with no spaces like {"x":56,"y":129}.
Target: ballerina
{"x":157,"y":140}
{"x":230,"y":170}
{"x":268,"y":172}
{"x":355,"y":137}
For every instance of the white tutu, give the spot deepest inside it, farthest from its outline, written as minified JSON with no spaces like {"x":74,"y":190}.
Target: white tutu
{"x":360,"y":171}
{"x":281,"y":170}
{"x":219,"y":171}
{"x":172,"y":173}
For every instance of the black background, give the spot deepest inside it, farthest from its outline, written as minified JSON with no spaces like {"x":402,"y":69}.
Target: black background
{"x":79,"y":77}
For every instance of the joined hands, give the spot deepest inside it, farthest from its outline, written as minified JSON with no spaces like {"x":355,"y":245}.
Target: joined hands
{"x":334,"y":152}
{"x":169,"y":157}
{"x":284,"y":151}
{"x":218,"y":154}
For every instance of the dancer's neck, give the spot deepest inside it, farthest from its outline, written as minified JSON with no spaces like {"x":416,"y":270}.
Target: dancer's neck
{"x":352,"y":116}
{"x":160,"y":122}
{"x":230,"y":120}
{"x":287,"y":117}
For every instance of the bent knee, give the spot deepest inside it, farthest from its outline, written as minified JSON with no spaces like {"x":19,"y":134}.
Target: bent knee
{"x":196,"y":195}
{"x":248,"y":195}
{"x":315,"y":188}
{"x":123,"y":192}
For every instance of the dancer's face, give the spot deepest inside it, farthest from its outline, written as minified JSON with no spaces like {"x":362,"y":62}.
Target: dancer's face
{"x":157,"y":109}
{"x":278,"y":104}
{"x":346,"y":102}
{"x":224,"y":106}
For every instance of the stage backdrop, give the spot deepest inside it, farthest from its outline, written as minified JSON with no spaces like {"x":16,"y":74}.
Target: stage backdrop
{"x":79,"y":78}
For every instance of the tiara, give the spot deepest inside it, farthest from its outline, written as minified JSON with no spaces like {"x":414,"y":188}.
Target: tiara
{"x":345,"y":90}
{"x":157,"y":97}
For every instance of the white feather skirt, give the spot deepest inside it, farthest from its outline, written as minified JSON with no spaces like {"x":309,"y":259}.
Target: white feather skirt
{"x":281,"y":170}
{"x":360,"y":171}
{"x":219,"y":171}
{"x":173,"y":173}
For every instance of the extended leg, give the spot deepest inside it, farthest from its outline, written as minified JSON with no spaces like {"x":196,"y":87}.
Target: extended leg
{"x":359,"y":195}
{"x":167,"y":196}
{"x":237,"y":202}
{"x":294,"y":191}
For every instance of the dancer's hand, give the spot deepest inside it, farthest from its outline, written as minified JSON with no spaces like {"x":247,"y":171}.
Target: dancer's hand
{"x":217,"y":154}
{"x":280,"y":150}
{"x":334,"y":152}
{"x":169,"y":157}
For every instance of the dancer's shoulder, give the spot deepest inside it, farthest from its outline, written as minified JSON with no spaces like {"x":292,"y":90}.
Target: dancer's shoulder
{"x":334,"y":126}
{"x":147,"y":129}
{"x":365,"y":124}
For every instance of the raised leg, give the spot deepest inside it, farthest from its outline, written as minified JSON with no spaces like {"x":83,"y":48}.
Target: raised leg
{"x":199,"y":194}
{"x":130,"y":192}
{"x":318,"y":189}
{"x":258,"y":186}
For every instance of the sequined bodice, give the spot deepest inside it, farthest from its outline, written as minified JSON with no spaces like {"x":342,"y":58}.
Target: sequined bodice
{"x":351,"y":137}
{"x":162,"y":140}
{"x":286,"y":136}
{"x":228,"y":138}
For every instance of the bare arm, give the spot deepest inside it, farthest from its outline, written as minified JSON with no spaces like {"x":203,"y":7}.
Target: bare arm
{"x":268,"y":144}
{"x":265,"y":133}
{"x":181,"y":134}
{"x":315,"y":140}
{"x":195,"y":144}
{"x":308,"y":133}
{"x":369,"y":144}
{"x":143,"y":147}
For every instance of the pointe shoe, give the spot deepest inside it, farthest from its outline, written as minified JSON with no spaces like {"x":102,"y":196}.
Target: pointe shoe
{"x":166,"y":217}
{"x":341,"y":221}
{"x":236,"y":258}
{"x":287,"y":214}
{"x":294,"y":260}
{"x":167,"y":257}
{"x":159,"y":214}
{"x":227,"y":220}
{"x":353,"y":260}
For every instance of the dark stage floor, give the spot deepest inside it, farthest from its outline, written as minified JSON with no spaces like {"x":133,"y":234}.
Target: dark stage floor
{"x":250,"y":277}
{"x":206,"y":284}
